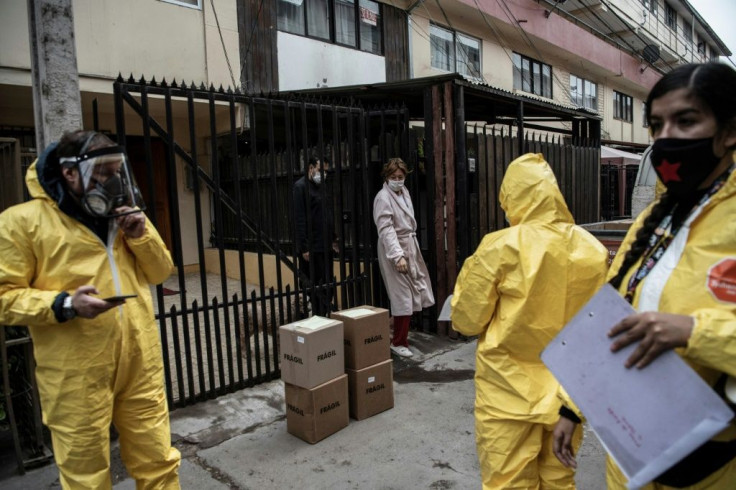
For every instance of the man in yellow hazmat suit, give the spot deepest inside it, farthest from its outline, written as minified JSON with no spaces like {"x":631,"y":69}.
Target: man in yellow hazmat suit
{"x":516,"y":292}
{"x":81,"y":239}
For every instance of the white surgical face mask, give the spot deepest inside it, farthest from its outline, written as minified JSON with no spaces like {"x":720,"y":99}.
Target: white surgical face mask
{"x":317,"y":178}
{"x":396,"y":185}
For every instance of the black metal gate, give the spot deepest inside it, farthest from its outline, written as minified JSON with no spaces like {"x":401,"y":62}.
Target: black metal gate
{"x":222,"y":192}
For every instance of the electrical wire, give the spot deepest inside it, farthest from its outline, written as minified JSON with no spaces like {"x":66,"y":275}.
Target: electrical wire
{"x":515,"y":22}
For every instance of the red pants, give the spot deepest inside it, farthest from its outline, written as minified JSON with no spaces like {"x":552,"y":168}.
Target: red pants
{"x":401,"y":331}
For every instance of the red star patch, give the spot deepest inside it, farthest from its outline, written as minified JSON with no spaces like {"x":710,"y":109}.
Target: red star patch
{"x":668,"y":171}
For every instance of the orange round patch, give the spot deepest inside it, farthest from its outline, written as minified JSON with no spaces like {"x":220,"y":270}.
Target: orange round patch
{"x":722,"y":280}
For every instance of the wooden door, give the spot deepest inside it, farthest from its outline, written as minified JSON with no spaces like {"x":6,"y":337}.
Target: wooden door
{"x":160,"y":201}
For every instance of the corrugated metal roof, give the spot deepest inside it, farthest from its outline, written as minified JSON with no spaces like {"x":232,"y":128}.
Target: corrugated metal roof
{"x":411,"y":88}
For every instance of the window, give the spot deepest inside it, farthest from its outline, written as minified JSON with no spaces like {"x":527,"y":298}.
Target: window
{"x":622,"y":107}
{"x":687,"y":31}
{"x":453,"y":51}
{"x":670,"y":17}
{"x":441,"y":47}
{"x":584,"y":93}
{"x":650,"y":5}
{"x":353,"y":23}
{"x":195,"y":4}
{"x":318,"y":19}
{"x":701,"y":46}
{"x":468,"y":55}
{"x":291,"y":16}
{"x":713,"y":54}
{"x":532,"y":76}
{"x":370,"y":26}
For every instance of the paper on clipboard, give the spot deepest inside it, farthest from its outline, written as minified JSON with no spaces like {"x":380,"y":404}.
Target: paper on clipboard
{"x":445,"y":311}
{"x":647,"y":419}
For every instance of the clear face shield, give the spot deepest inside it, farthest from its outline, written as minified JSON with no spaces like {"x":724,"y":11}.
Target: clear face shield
{"x":108,"y":182}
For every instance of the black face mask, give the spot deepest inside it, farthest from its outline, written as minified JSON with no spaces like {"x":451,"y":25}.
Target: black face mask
{"x":683,"y":164}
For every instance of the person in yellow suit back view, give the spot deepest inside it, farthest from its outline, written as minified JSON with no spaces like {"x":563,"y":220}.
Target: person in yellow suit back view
{"x":80,"y":239}
{"x":516,"y":292}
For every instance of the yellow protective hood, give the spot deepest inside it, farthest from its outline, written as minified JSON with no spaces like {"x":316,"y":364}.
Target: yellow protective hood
{"x":519,"y":288}
{"x":529,"y":192}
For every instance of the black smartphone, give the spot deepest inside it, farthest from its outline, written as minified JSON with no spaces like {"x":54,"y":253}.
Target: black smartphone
{"x":116,"y":299}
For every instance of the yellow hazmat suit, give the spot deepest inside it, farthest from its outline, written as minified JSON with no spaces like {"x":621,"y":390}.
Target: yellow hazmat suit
{"x":702,"y":285}
{"x":90,"y":371}
{"x":516,"y":292}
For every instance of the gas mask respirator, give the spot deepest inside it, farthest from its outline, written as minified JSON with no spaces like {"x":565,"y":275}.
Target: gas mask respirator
{"x":107,"y":181}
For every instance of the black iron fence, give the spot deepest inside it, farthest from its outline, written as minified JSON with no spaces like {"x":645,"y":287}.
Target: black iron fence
{"x":239,"y":157}
{"x":617,"y":187}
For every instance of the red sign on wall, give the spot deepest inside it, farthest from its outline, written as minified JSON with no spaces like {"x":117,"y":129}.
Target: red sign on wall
{"x":722,"y":280}
{"x":368,"y":16}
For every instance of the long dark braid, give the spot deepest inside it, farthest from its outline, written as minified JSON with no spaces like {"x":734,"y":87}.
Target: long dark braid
{"x":658,"y":212}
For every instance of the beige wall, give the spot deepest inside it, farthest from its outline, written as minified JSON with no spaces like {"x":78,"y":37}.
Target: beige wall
{"x":147,"y":38}
{"x":142,"y":37}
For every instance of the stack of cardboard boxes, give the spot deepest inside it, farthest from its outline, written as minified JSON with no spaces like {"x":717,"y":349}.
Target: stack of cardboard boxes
{"x":367,"y":360}
{"x":315,"y":355}
{"x":315,"y":383}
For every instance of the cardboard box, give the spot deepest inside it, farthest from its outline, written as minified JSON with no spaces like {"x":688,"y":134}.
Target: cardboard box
{"x":371,"y":389}
{"x":313,"y":414}
{"x":311,"y":351}
{"x":366,"y":336}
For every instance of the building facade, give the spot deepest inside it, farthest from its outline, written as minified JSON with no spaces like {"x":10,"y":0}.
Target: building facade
{"x":601,"y":55}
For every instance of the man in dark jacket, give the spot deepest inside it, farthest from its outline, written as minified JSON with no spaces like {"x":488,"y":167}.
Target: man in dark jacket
{"x":315,"y":237}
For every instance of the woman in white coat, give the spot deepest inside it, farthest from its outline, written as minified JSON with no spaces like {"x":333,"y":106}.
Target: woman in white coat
{"x":399,"y":257}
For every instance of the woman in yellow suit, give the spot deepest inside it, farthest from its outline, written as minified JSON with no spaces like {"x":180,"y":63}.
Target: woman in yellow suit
{"x":79,"y":240}
{"x":677,"y":265}
{"x":516,"y":292}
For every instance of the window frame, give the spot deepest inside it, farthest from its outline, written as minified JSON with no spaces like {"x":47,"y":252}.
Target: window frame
{"x":670,"y":17}
{"x":623,"y":107}
{"x":687,"y":31}
{"x":700,"y":47}
{"x":583,"y":96}
{"x":650,"y":5}
{"x":528,"y":81}
{"x":183,"y":3}
{"x":333,"y":25}
{"x":454,"y":61}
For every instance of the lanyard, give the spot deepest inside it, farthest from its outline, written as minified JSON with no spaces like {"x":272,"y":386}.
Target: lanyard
{"x":663,"y":236}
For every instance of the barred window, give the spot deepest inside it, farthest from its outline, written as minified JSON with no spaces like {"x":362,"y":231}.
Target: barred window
{"x":670,"y":17}
{"x":623,"y":107}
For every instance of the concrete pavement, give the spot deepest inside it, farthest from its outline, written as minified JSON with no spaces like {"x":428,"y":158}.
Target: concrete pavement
{"x":239,"y":441}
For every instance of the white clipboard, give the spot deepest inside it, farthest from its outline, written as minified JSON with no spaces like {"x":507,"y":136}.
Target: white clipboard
{"x":647,"y":419}
{"x":446,"y":311}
